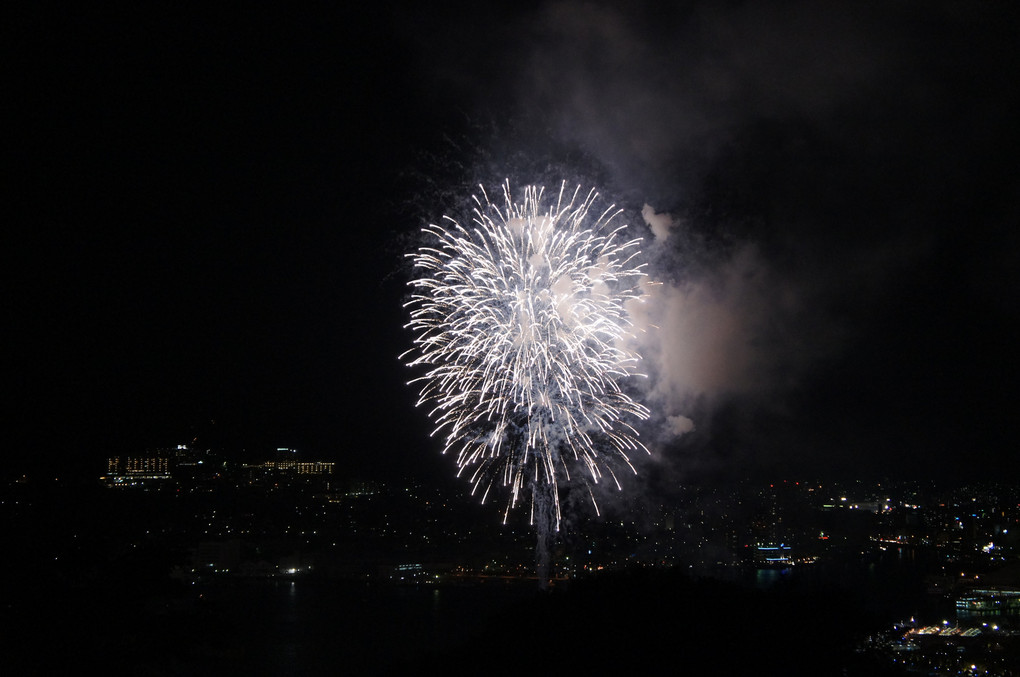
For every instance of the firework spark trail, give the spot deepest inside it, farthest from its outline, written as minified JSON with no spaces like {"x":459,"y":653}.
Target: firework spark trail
{"x":521,"y":321}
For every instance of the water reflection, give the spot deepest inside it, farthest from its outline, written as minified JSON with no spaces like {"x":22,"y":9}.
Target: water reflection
{"x":766,"y":578}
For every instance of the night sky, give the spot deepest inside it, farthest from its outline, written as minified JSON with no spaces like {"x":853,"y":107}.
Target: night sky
{"x":207,"y":210}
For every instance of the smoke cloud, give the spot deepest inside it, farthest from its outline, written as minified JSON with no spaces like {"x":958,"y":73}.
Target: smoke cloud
{"x":812,"y":175}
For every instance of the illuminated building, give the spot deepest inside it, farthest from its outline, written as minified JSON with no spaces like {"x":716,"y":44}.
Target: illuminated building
{"x":288,"y":472}
{"x":772,"y":555}
{"x":294,"y":467}
{"x":136,"y":471}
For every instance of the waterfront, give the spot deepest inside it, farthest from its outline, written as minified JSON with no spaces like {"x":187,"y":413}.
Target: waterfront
{"x":802,"y":621}
{"x":251,"y":626}
{"x":281,"y":579}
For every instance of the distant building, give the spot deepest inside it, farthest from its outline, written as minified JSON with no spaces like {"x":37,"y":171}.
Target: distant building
{"x":136,"y":471}
{"x":288,"y":472}
{"x":292,"y":467}
{"x":772,"y":555}
{"x":286,"y":454}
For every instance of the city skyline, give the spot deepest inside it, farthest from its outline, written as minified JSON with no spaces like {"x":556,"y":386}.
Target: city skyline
{"x":902,"y":574}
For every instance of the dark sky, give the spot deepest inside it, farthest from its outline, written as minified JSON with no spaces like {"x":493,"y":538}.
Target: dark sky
{"x":207,"y":210}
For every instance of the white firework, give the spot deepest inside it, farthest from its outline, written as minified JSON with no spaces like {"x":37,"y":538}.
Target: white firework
{"x":522,"y":322}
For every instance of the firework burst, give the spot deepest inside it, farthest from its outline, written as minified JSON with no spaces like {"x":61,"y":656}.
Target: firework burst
{"x":521,"y":322}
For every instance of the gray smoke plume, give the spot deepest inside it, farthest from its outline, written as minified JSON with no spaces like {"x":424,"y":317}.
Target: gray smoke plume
{"x":825,"y":194}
